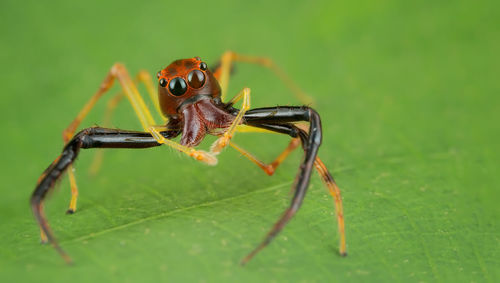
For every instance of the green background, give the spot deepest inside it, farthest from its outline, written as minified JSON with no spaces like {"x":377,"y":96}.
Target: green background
{"x":408,"y":94}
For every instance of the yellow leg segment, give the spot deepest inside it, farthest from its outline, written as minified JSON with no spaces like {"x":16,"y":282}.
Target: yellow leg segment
{"x":199,"y":155}
{"x":223,"y":141}
{"x":249,"y":129}
{"x":335,"y":193}
{"x":229,"y":57}
{"x":43,"y":237}
{"x":144,"y":77}
{"x":74,"y":192}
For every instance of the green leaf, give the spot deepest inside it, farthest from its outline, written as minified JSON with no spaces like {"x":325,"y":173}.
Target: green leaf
{"x":408,"y":96}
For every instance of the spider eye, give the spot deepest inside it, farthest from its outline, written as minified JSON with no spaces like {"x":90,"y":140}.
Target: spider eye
{"x":177,"y":86}
{"x":203,"y":66}
{"x":196,"y":79}
{"x":163,"y":82}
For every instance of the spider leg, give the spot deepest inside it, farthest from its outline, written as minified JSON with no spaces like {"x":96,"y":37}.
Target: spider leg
{"x":87,"y":138}
{"x":142,"y":77}
{"x":334,"y":190}
{"x":223,"y":72}
{"x":242,"y":128}
{"x":118,"y":71}
{"x":200,"y":155}
{"x":278,"y":119}
{"x":106,"y":122}
{"x":223,"y":141}
{"x":325,"y":175}
{"x":271,"y":167}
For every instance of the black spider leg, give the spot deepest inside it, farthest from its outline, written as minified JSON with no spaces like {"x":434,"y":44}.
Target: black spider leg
{"x":278,"y":119}
{"x":88,"y":138}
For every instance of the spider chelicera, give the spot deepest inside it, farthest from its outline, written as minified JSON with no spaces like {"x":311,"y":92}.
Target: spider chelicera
{"x":191,"y":98}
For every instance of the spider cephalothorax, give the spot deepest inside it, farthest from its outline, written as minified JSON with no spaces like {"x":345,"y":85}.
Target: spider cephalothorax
{"x":185,"y":81}
{"x":189,"y":96}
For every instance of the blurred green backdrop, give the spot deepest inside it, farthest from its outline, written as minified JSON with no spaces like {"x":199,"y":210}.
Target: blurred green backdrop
{"x":408,"y":93}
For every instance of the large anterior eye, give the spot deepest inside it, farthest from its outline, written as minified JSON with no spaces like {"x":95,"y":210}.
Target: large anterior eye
{"x":196,"y":79}
{"x":177,"y":86}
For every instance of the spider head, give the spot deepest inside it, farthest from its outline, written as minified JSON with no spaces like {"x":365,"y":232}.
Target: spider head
{"x":185,"y":81}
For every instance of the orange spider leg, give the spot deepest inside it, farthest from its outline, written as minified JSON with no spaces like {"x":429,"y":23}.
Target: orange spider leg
{"x":223,"y":73}
{"x":271,"y":167}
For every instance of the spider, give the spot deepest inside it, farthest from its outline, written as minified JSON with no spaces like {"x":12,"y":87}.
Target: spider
{"x":191,"y":98}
